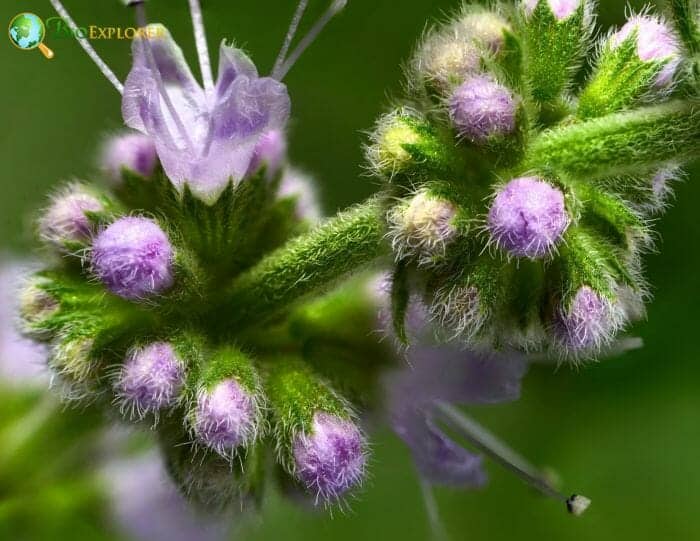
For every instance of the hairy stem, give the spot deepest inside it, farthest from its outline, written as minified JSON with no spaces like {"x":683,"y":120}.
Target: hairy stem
{"x":307,"y":264}
{"x":620,"y":143}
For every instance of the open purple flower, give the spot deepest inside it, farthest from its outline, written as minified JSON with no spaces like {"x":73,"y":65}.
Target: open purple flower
{"x":205,"y":137}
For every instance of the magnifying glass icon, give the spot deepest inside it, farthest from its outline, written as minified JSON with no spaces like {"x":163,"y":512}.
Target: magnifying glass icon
{"x":27,"y":32}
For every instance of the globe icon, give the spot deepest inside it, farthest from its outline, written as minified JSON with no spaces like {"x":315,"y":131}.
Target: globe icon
{"x":27,"y":32}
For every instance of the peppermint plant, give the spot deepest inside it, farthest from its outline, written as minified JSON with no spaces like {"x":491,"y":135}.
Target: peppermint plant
{"x":194,"y":291}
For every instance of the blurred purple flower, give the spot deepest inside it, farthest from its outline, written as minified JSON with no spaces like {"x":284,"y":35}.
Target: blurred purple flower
{"x":458,"y":377}
{"x":147,"y":507}
{"x":22,"y":361}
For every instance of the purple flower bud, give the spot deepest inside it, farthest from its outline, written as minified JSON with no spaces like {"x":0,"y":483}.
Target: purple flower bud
{"x":133,"y":258}
{"x":482,"y":108}
{"x":588,"y":322}
{"x":422,"y":228}
{"x":330,"y":459}
{"x":562,"y":9}
{"x":65,"y":222}
{"x":226,"y":417}
{"x":528,"y":217}
{"x":271,"y":150}
{"x":656,"y":42}
{"x":150,"y":379}
{"x":300,"y":186}
{"x":133,"y":151}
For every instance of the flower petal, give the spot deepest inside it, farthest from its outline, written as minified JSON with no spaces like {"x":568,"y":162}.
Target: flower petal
{"x":232,"y":63}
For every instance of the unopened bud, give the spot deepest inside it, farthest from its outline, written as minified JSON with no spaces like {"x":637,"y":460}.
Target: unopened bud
{"x":150,"y":380}
{"x":330,"y":458}
{"x":133,"y":152}
{"x":133,"y":258}
{"x":65,"y":223}
{"x":481,"y":109}
{"x":422,"y":227}
{"x":528,"y":217}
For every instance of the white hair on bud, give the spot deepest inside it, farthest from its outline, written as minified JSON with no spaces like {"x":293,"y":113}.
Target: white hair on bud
{"x":422,"y":227}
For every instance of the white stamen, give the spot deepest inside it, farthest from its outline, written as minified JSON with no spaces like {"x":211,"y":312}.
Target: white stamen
{"x":336,"y":7}
{"x":200,"y":38}
{"x":291,"y":32}
{"x":85,"y":44}
{"x":431,"y":508}
{"x":499,"y":452}
{"x":141,"y":21}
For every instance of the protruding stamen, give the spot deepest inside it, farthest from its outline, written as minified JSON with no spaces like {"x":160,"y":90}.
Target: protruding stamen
{"x":499,"y":452}
{"x":200,"y":39}
{"x":431,"y":508}
{"x":85,"y":44}
{"x":336,"y":7}
{"x":291,"y":32}
{"x":142,"y":22}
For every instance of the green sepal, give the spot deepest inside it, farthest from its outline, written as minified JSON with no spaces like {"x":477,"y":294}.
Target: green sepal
{"x":619,"y":80}
{"x":229,"y":362}
{"x":400,"y":299}
{"x":553,"y":51}
{"x":685,"y":16}
{"x":295,"y":394}
{"x":211,"y":482}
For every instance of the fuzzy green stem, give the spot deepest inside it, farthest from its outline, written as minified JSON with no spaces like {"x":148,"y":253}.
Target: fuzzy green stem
{"x":620,"y":143}
{"x":307,"y":264}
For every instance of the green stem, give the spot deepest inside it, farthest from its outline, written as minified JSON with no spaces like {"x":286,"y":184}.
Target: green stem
{"x":684,"y":16}
{"x":620,"y":143}
{"x":306,"y":265}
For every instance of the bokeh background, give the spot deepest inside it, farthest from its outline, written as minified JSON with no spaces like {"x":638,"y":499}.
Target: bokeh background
{"x":624,"y":432}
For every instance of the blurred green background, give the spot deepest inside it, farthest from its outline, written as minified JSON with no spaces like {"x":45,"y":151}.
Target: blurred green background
{"x":625,"y":432}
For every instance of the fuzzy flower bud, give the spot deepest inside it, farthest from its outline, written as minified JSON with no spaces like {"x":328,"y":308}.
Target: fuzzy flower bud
{"x":446,"y":58}
{"x":65,"y":223}
{"x":151,"y":379}
{"x":656,"y":42}
{"x":133,"y":257}
{"x":388,"y":154}
{"x":132,"y":151}
{"x":588,"y":322}
{"x":271,"y":151}
{"x":485,"y":28}
{"x":35,"y":303}
{"x":330,"y":459}
{"x":481,"y":108}
{"x":423,"y":227}
{"x":562,"y":9}
{"x":226,"y":417}
{"x":528,"y":217}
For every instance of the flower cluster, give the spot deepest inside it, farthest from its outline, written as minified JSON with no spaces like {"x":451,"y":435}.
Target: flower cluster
{"x":496,"y":218}
{"x":195,"y":294}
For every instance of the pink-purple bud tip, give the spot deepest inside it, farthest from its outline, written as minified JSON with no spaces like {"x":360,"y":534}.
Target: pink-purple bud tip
{"x":562,"y":9}
{"x":133,"y":257}
{"x":656,"y":42}
{"x":330,"y":459}
{"x":271,"y":151}
{"x":528,"y":217}
{"x":133,"y":151}
{"x":226,"y":417}
{"x":481,"y":108}
{"x":151,"y":379}
{"x":587,"y":323}
{"x":65,"y":220}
